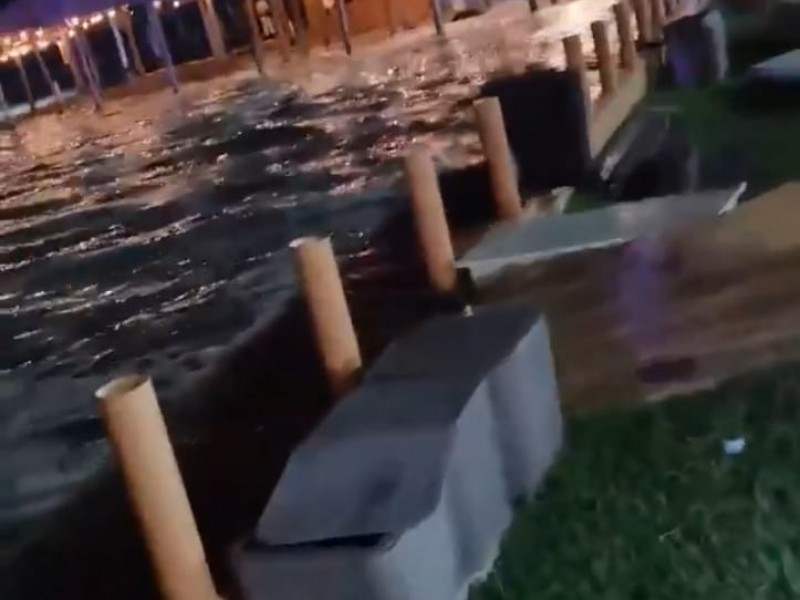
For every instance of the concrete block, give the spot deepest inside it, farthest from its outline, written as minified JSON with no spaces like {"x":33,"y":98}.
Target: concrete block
{"x":406,"y":488}
{"x":533,"y":240}
{"x":784,"y":68}
{"x":507,"y":348}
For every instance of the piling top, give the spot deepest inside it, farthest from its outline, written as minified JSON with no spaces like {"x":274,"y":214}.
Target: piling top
{"x":308,"y":239}
{"x":121,"y":386}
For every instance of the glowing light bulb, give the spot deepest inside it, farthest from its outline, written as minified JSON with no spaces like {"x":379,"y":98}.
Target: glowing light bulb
{"x":71,"y":33}
{"x":23,"y":36}
{"x":111,"y":13}
{"x":157,"y":3}
{"x":176,"y":3}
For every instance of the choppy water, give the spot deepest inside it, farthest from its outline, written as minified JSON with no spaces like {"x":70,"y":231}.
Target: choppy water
{"x":150,"y":237}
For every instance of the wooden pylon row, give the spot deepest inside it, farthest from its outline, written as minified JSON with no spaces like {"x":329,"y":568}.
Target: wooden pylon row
{"x":129,"y":405}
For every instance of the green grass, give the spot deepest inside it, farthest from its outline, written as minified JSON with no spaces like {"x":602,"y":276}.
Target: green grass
{"x":645,"y":505}
{"x":769,"y":140}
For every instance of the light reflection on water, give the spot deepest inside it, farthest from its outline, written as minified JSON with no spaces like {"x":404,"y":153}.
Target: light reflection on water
{"x":156,"y":232}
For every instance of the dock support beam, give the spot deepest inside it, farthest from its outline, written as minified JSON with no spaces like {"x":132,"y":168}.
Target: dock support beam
{"x":344,"y":25}
{"x":430,"y":219}
{"x":256,"y":43}
{"x":216,"y":40}
{"x":141,"y":444}
{"x":627,"y":44}
{"x":438,"y":20}
{"x":161,"y":41}
{"x":492,"y":131}
{"x":605,"y":57}
{"x":335,"y":335}
{"x":26,"y":83}
{"x":573,"y":49}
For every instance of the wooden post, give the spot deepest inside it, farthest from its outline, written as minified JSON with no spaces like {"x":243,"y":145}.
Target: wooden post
{"x":54,"y":89}
{"x":573,"y":48}
{"x":300,"y":29}
{"x":627,"y":45}
{"x":26,"y":83}
{"x":391,"y":16}
{"x":605,"y":57}
{"x":344,"y":25}
{"x":86,"y":66}
{"x":216,"y":41}
{"x":280,"y":18}
{"x":141,"y":444}
{"x":125,"y":23}
{"x":154,"y":19}
{"x":502,"y":171}
{"x":333,"y":327}
{"x":438,"y":21}
{"x":256,"y":43}
{"x":659,"y":17}
{"x":4,"y":106}
{"x":644,"y":20}
{"x":430,"y":219}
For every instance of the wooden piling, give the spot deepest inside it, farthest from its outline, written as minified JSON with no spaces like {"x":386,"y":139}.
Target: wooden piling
{"x":335,"y":335}
{"x":125,"y":23}
{"x":644,"y":20}
{"x":300,"y":29}
{"x":605,"y":57}
{"x":281,"y":20}
{"x":26,"y":83}
{"x":256,"y":43}
{"x":438,"y":20}
{"x":573,"y":49}
{"x":344,"y":25}
{"x":659,"y":18}
{"x":52,"y":84}
{"x":141,"y":443}
{"x":429,"y":216}
{"x":4,"y":106}
{"x":390,"y":12}
{"x":161,"y":40}
{"x":216,"y":40}
{"x":85,"y":65}
{"x":627,"y":44}
{"x":496,"y":149}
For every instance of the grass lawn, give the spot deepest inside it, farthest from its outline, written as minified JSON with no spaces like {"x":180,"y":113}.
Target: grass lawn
{"x":646,"y":505}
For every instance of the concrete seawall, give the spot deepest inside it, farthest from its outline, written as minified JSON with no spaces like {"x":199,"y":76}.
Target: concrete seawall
{"x":405,"y":490}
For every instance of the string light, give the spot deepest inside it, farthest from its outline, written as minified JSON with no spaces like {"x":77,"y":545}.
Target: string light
{"x":111,"y":13}
{"x":157,"y":3}
{"x":71,"y":33}
{"x":23,"y":36}
{"x":176,"y":3}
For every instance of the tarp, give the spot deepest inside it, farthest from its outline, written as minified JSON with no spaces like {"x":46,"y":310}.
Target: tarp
{"x":31,"y":14}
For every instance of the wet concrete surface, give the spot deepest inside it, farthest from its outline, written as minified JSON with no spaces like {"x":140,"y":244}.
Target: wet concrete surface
{"x":153,"y":238}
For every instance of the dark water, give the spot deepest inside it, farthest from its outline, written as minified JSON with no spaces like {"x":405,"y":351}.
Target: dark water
{"x":153,"y":238}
